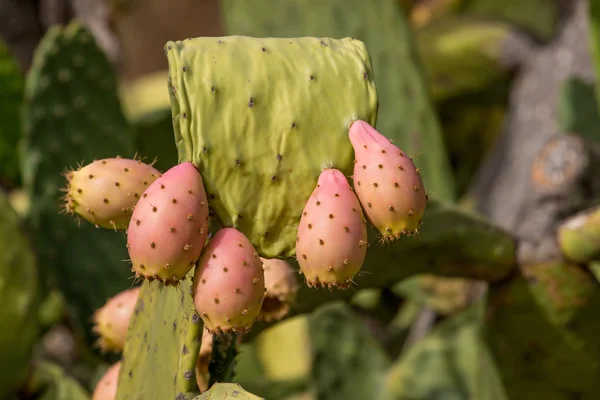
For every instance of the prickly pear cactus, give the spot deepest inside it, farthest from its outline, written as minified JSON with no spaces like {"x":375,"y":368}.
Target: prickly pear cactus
{"x":542,"y":331}
{"x":579,"y":236}
{"x":72,"y":114}
{"x":261,"y":369}
{"x":338,"y":338}
{"x":461,"y":55}
{"x":11,"y":93}
{"x":450,"y":363}
{"x":50,"y":382}
{"x":405,"y":113}
{"x":540,"y":17}
{"x":162,"y":344}
{"x":594,"y":21}
{"x":19,"y":298}
{"x":578,"y":109}
{"x":274,"y":135}
{"x":226,"y":391}
{"x":315,"y":345}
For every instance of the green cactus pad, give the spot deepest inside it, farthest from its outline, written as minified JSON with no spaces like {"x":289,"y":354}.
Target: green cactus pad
{"x":405,"y":112}
{"x":329,"y":352}
{"x":162,"y":344}
{"x":11,"y":95}
{"x":594,"y":22}
{"x":260,"y":367}
{"x":452,"y":243}
{"x":578,"y":110}
{"x":72,"y":114}
{"x":20,"y":300}
{"x":542,"y":330}
{"x":50,"y":382}
{"x":348,"y":363}
{"x":261,"y":118}
{"x":451,"y":363}
{"x":222,"y":391}
{"x":461,"y":55}
{"x":579,"y":236}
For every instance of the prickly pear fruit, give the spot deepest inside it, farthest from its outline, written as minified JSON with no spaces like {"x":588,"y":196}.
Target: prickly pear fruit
{"x":105,"y":191}
{"x":106,"y":388}
{"x":332,"y":236}
{"x":111,"y":321}
{"x":203,"y":361}
{"x":387,"y":183}
{"x":169,"y":225}
{"x":281,"y":285}
{"x":229,"y":284}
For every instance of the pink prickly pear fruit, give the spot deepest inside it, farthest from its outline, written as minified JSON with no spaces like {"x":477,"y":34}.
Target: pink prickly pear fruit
{"x":332,"y":235}
{"x":281,"y":285}
{"x":169,"y":226}
{"x":229,"y":284}
{"x":203,"y":361}
{"x":387,"y":183}
{"x":106,"y":388}
{"x":105,"y":192}
{"x":111,"y":321}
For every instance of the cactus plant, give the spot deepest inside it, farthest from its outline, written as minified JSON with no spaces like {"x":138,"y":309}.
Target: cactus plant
{"x":11,"y":93}
{"x":579,"y":238}
{"x":276,"y":134}
{"x":227,"y":390}
{"x":167,"y":347}
{"x":50,"y":382}
{"x":71,"y":113}
{"x":451,"y":363}
{"x":206,"y":95}
{"x":537,"y":16}
{"x":339,"y":339}
{"x":315,"y":345}
{"x":405,"y":115}
{"x":19,"y":280}
{"x":579,"y":112}
{"x":544,"y":316}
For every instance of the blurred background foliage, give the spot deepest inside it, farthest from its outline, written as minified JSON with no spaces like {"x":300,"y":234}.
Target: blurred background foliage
{"x":491,"y":83}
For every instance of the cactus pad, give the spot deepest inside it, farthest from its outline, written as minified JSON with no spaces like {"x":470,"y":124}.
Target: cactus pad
{"x":578,"y":109}
{"x":11,"y":95}
{"x":72,"y":114}
{"x":19,"y":298}
{"x":579,"y":236}
{"x":261,"y":118}
{"x":227,"y":391}
{"x":49,"y":381}
{"x":542,"y":331}
{"x":405,"y":113}
{"x":452,"y":363}
{"x":347,"y":362}
{"x":162,"y":344}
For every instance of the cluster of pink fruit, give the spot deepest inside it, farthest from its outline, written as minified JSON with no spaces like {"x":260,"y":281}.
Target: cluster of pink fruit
{"x":167,"y":215}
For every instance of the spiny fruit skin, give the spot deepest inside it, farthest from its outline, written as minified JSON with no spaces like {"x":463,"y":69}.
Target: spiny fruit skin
{"x":229,"y":283}
{"x":105,"y":191}
{"x":169,"y":226}
{"x":387,"y":183}
{"x":203,"y":361}
{"x":111,"y":321}
{"x":281,"y":285}
{"x":332,"y":235}
{"x":106,"y":388}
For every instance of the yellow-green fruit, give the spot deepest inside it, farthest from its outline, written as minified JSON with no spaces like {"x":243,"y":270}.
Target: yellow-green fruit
{"x":105,"y":191}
